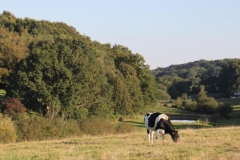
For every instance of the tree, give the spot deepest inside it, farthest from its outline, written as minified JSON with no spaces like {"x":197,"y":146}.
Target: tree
{"x":12,"y":50}
{"x":173,"y":92}
{"x":136,"y":64}
{"x":133,"y":85}
{"x":121,"y":96}
{"x":12,"y":107}
{"x":44,"y":81}
{"x":229,"y":79}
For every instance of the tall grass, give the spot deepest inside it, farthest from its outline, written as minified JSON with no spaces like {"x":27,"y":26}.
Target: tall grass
{"x":213,"y":143}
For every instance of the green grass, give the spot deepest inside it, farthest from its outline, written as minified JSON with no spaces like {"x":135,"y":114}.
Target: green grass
{"x":170,"y":110}
{"x":138,"y":121}
{"x":200,"y":123}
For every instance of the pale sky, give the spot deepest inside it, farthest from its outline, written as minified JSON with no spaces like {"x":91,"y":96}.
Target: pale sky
{"x":164,"y":32}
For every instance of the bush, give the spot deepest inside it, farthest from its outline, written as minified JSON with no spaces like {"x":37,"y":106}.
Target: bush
{"x":124,"y":128}
{"x":97,"y":126}
{"x":7,"y":130}
{"x":207,"y":104}
{"x":12,"y":107}
{"x":177,"y":103}
{"x":191,"y":105}
{"x":39,"y":128}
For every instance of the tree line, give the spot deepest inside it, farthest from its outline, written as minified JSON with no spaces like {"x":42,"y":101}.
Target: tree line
{"x":217,"y":76}
{"x":54,"y":70}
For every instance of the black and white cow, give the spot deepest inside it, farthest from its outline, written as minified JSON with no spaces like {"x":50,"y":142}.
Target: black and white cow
{"x":161,"y":124}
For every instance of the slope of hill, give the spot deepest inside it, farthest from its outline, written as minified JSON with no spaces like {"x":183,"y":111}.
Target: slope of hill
{"x":218,"y":76}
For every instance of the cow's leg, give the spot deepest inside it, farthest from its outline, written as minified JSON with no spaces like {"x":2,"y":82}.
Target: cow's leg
{"x":157,"y":131}
{"x":148,"y":135}
{"x":162,"y":133}
{"x":151,"y":136}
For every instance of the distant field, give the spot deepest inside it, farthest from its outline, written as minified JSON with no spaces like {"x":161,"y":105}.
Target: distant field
{"x":195,"y":144}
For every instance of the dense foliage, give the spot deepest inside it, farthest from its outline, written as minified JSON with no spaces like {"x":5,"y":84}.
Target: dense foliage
{"x":54,"y":70}
{"x":218,"y":76}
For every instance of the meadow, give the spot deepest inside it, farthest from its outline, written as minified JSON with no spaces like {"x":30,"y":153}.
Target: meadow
{"x":221,"y":143}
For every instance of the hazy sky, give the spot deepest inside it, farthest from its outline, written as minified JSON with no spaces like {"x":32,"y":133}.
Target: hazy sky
{"x":164,"y":32}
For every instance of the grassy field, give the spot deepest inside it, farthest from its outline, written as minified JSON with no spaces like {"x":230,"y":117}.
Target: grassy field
{"x":198,"y":140}
{"x":195,"y":144}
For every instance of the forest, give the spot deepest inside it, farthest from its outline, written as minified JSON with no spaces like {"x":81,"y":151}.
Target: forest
{"x":51,"y":70}
{"x":217,"y":76}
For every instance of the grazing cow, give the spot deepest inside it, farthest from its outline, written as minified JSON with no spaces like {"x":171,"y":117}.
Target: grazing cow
{"x":161,"y":124}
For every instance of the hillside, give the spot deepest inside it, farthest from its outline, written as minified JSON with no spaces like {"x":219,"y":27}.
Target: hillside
{"x":53,"y":69}
{"x":218,"y":76}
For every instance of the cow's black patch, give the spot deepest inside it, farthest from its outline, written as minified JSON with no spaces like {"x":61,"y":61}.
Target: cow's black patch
{"x":165,"y":125}
{"x":152,"y":118}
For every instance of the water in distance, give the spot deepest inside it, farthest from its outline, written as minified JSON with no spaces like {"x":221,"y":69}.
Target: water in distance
{"x":183,"y":121}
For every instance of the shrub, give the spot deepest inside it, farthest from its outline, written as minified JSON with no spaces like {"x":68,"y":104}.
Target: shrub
{"x":191,"y":105}
{"x":39,"y":128}
{"x":7,"y":130}
{"x":177,"y":103}
{"x":206,"y":104}
{"x":97,"y":126}
{"x":12,"y":107}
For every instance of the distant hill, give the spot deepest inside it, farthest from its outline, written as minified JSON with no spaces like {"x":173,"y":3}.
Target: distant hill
{"x":182,"y":70}
{"x":215,"y":76}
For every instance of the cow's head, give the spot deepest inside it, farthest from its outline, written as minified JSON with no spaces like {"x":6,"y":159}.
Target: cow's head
{"x":175,"y":136}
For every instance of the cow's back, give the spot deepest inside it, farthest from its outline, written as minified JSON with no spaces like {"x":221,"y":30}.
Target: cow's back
{"x":151,"y":119}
